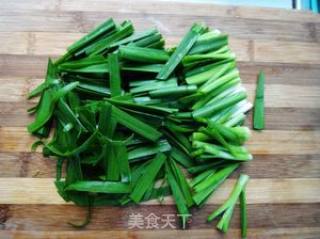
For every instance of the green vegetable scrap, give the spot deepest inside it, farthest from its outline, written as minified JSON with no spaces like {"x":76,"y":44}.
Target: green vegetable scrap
{"x":125,"y":115}
{"x":226,"y":209}
{"x":258,"y":114}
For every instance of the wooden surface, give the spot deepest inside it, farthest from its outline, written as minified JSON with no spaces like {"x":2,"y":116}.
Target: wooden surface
{"x":284,"y":192}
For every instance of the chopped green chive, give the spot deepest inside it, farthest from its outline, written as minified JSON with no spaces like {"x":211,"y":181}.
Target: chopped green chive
{"x":135,"y":125}
{"x":243,"y":214}
{"x":226,"y":209}
{"x":183,"y":48}
{"x":115,"y":79}
{"x":141,"y":54}
{"x":258,"y":114}
{"x":148,"y":178}
{"x":99,"y":187}
{"x":133,"y":121}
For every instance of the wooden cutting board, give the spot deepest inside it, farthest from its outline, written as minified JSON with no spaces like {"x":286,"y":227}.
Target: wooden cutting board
{"x":284,"y":190}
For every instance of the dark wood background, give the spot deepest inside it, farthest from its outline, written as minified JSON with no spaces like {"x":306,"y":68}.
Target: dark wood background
{"x":284,"y":190}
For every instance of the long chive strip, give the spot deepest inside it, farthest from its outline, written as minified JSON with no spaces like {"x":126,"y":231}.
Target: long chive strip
{"x":176,"y":91}
{"x":215,"y":71}
{"x":47,"y":105}
{"x":216,"y":92}
{"x":223,"y":224}
{"x":182,"y":181}
{"x":214,"y":56}
{"x":182,"y":158}
{"x":156,"y":44}
{"x":212,"y":84}
{"x":51,"y":79}
{"x":84,"y":62}
{"x":237,"y":134}
{"x":185,"y":45}
{"x":99,"y":187}
{"x":258,"y":114}
{"x":115,"y":79}
{"x":178,"y":196}
{"x":201,"y":176}
{"x":100,"y":30}
{"x":91,"y":69}
{"x":230,"y":202}
{"x":147,"y":179}
{"x":209,"y":43}
{"x":142,"y":54}
{"x":151,"y":85}
{"x":206,"y":187}
{"x":126,"y":29}
{"x":146,"y":151}
{"x":135,"y":125}
{"x":210,"y":109}
{"x":157,"y":110}
{"x":150,"y":68}
{"x":134,"y":38}
{"x":243,"y":214}
{"x":148,"y":41}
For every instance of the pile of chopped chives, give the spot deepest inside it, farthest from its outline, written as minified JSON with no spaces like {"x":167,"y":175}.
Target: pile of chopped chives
{"x":125,"y":114}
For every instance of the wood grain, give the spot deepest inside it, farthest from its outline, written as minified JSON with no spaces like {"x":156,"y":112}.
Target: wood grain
{"x":27,"y":165}
{"x":55,"y":43}
{"x":260,"y":191}
{"x":270,"y":233}
{"x":57,"y":216}
{"x":47,"y":43}
{"x":281,"y":73}
{"x":290,"y":118}
{"x":169,"y":24}
{"x":23,"y":65}
{"x":283,"y":192}
{"x":278,"y":95}
{"x":161,"y":7}
{"x":289,"y":52}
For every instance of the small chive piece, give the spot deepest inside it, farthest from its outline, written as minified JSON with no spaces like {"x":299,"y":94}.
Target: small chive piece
{"x":135,"y":125}
{"x":100,"y":187}
{"x":226,"y":209}
{"x":209,"y":42}
{"x":173,"y":91}
{"x":115,"y":79}
{"x":243,"y":214}
{"x":183,"y":48}
{"x":206,"y":187}
{"x":258,"y":114}
{"x":147,"y":179}
{"x":210,"y":109}
{"x":142,"y":54}
{"x":178,"y":195}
